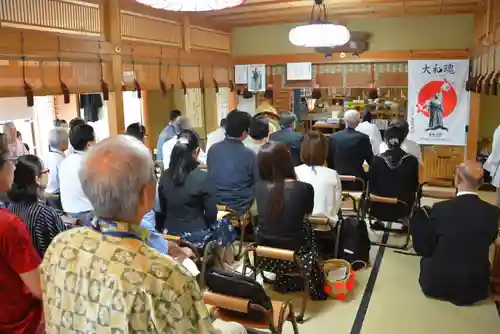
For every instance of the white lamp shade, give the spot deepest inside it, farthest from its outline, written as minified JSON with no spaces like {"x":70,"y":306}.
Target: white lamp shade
{"x":191,"y":5}
{"x":320,"y":34}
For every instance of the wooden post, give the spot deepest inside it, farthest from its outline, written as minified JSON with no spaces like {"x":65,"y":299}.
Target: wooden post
{"x":111,"y":19}
{"x":473,"y":133}
{"x":495,"y":263}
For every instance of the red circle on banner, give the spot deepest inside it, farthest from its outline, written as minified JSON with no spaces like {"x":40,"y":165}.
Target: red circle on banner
{"x":430,"y":90}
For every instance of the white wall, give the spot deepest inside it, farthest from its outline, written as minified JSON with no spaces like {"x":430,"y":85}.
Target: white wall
{"x":12,"y":108}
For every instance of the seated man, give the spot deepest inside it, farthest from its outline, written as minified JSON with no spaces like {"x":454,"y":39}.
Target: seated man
{"x":290,"y":138}
{"x":349,"y":149}
{"x":232,"y":166}
{"x":181,"y":123}
{"x":258,"y":135}
{"x":394,"y":174}
{"x":217,"y":135}
{"x":73,"y":200}
{"x":129,"y":286}
{"x":455,"y":248}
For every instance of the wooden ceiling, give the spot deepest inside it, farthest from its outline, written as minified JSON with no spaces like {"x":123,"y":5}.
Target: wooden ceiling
{"x":264,"y":12}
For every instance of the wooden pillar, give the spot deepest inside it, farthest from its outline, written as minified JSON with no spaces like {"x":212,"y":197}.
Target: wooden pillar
{"x":473,"y":133}
{"x":232,"y":101}
{"x":111,"y":19}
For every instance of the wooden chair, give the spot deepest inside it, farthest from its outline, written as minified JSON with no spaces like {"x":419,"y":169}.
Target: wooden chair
{"x":237,"y":221}
{"x":209,"y":253}
{"x":283,"y":255}
{"x":317,"y":221}
{"x":274,"y":319}
{"x":405,"y":221}
{"x":436,"y":193}
{"x":358,"y":197}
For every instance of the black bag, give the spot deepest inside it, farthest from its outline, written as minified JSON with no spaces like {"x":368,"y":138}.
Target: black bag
{"x":354,"y":242}
{"x":238,"y":285}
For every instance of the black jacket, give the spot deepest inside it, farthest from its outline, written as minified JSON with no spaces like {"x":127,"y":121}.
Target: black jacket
{"x":292,"y":141}
{"x":455,"y":264}
{"x":394,"y":173}
{"x":189,"y":207}
{"x":348,"y":149}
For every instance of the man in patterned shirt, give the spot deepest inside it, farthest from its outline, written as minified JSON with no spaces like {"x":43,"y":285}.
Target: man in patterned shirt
{"x":104,"y":278}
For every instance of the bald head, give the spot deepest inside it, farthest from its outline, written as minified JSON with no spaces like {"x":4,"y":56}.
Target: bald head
{"x":351,"y":118}
{"x":469,"y":175}
{"x":115,"y":175}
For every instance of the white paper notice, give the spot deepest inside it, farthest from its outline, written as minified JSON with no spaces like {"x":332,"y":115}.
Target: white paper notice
{"x":299,"y":71}
{"x":241,"y":74}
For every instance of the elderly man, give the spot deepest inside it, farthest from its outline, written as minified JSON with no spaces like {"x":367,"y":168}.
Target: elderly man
{"x":104,"y":277}
{"x":58,"y":143}
{"x":16,"y":146}
{"x":181,"y":123}
{"x":455,"y":242}
{"x":349,"y":149}
{"x":290,"y":138}
{"x":73,"y":200}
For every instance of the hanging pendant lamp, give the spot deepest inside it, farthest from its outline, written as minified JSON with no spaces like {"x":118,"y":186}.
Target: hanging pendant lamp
{"x":319,"y":32}
{"x":191,"y":5}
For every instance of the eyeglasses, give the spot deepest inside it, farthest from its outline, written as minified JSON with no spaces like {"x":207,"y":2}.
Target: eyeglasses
{"x":44,"y":171}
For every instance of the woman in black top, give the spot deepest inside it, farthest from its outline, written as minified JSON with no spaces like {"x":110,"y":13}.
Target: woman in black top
{"x":394,"y":173}
{"x":42,"y":221}
{"x":188,"y":207}
{"x":283,"y":204}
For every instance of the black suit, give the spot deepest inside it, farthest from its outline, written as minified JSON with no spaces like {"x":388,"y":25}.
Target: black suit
{"x":348,"y":149}
{"x":455,"y":264}
{"x":292,"y":141}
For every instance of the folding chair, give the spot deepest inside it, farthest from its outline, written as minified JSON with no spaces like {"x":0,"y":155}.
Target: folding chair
{"x":436,"y":193}
{"x":283,"y":255}
{"x":405,"y":221}
{"x":209,"y":253}
{"x":358,"y":196}
{"x":274,"y":319}
{"x":237,"y":221}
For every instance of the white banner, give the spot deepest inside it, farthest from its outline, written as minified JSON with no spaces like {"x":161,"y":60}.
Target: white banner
{"x":438,"y":104}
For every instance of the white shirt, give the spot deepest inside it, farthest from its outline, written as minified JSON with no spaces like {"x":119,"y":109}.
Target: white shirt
{"x":73,"y":199}
{"x":492,"y":165}
{"x":168,"y":147}
{"x":409,"y":146}
{"x":215,"y":137}
{"x":460,"y":193}
{"x":52,"y":162}
{"x":327,"y":189}
{"x":373,"y":132}
{"x":254,"y":145}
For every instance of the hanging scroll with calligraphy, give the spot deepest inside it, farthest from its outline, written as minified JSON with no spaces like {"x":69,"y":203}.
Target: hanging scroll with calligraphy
{"x":438,"y":104}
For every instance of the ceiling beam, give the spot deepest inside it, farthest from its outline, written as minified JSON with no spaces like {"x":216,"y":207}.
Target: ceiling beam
{"x":296,"y":19}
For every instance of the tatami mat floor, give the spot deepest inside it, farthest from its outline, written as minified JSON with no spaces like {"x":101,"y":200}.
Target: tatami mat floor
{"x":392,"y":303}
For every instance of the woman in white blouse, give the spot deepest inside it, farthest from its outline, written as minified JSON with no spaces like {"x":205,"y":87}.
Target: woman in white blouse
{"x":371,"y":130}
{"x":325,"y":181}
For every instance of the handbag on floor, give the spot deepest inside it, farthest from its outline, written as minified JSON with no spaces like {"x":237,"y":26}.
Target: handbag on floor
{"x":339,"y":277}
{"x":354,"y":242}
{"x":238,"y":285}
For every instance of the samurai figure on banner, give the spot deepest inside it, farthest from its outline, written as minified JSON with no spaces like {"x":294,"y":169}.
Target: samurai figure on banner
{"x":438,"y":103}
{"x":435,"y":106}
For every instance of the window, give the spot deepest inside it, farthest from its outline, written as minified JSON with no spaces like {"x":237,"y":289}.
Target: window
{"x":222,"y":103}
{"x":194,"y":106}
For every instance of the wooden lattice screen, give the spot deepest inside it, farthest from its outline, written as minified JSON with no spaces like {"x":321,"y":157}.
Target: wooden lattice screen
{"x":440,"y":163}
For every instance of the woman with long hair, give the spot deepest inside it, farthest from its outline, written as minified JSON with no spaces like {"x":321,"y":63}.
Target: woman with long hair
{"x":283,"y":205}
{"x":20,"y":291}
{"x":42,"y":221}
{"x":188,"y":207}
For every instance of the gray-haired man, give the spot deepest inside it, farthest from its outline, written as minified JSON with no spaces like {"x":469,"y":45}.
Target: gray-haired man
{"x":112,"y":259}
{"x":58,"y":143}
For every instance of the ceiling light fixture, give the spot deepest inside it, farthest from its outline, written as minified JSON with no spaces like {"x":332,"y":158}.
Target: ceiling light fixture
{"x":191,"y":5}
{"x":319,"y":32}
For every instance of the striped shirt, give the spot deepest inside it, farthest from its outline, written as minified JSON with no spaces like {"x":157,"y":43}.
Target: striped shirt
{"x":155,"y":239}
{"x":42,"y":222}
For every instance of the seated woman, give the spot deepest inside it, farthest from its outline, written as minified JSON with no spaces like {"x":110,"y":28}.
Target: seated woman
{"x":20,"y":292}
{"x":187,"y":198}
{"x":394,"y":173}
{"x":283,"y":203}
{"x":42,"y":221}
{"x":455,"y":243}
{"x":325,"y":181}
